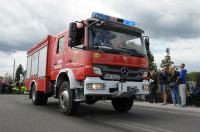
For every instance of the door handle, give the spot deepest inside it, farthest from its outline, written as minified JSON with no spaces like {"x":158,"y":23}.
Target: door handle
{"x":70,"y":60}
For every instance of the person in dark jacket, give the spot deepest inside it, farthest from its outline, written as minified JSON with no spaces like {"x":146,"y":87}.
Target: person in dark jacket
{"x":173,"y":84}
{"x":3,"y":87}
{"x":163,"y":80}
{"x":153,"y":86}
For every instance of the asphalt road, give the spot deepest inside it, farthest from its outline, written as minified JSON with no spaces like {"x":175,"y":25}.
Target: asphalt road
{"x":18,"y":114}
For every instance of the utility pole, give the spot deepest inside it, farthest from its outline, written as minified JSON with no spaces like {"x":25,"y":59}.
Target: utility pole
{"x":14,"y":70}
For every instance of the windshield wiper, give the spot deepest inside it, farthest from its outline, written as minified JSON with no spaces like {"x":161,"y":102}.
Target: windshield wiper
{"x":107,"y":48}
{"x":110,"y":49}
{"x":133,"y":52}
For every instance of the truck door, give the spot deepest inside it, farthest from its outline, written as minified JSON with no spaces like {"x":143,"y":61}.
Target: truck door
{"x":59,"y":53}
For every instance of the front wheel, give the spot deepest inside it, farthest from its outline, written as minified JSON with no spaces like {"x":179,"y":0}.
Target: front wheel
{"x":122,"y":104}
{"x":66,"y":103}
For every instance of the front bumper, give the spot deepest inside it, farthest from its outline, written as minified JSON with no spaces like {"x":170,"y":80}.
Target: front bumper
{"x":115,"y":88}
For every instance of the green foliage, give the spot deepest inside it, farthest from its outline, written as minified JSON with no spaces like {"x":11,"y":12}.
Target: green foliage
{"x":152,"y":64}
{"x":20,"y":70}
{"x":194,"y":76}
{"x":167,"y":62}
{"x":1,"y":77}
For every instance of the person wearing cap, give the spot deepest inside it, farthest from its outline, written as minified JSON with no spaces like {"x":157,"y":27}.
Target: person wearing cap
{"x":182,"y":84}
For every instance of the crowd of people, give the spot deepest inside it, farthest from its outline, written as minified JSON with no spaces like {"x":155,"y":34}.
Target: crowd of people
{"x":5,"y":87}
{"x":9,"y":87}
{"x":169,"y":79}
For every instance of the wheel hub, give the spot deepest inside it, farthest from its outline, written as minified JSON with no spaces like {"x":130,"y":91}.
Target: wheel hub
{"x":33,"y":94}
{"x":64,"y":99}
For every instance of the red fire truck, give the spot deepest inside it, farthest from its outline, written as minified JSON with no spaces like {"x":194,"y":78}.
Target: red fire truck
{"x":100,"y":58}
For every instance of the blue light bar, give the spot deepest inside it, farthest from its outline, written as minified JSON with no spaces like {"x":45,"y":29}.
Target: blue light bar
{"x":100,"y":16}
{"x":129,"y":23}
{"x":111,"y":18}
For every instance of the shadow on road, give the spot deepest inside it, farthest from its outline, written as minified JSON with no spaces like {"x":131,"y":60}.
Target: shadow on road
{"x":101,"y":108}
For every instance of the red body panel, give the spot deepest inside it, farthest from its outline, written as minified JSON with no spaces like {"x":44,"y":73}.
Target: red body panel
{"x":40,"y":82}
{"x":27,"y":84}
{"x":80,"y":61}
{"x":119,"y":60}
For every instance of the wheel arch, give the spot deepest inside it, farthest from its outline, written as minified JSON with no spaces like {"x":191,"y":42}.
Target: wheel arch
{"x":66,"y":75}
{"x":32,"y":83}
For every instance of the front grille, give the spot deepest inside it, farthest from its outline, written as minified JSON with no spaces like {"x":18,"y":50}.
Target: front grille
{"x":115,"y":73}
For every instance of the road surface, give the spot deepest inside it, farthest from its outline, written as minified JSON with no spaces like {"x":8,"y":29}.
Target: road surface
{"x":18,"y":114}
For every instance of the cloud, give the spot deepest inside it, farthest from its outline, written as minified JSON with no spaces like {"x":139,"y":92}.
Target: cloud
{"x":182,"y":51}
{"x":166,"y":19}
{"x":25,"y":23}
{"x":7,"y":61}
{"x":170,"y":24}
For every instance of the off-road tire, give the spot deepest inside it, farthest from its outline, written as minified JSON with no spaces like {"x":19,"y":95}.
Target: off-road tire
{"x":66,"y":99}
{"x":122,"y":104}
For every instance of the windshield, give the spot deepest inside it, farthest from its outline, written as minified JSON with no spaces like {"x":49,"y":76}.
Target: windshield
{"x":119,"y":42}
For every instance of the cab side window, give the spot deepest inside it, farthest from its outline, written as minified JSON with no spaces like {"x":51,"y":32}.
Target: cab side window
{"x":80,"y":38}
{"x":60,"y":45}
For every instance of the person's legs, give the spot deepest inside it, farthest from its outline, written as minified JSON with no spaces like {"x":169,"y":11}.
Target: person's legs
{"x":173,"y":95}
{"x":3,"y":89}
{"x":161,"y":88}
{"x":176,"y":92}
{"x":154,"y":95}
{"x":151,"y":94}
{"x":165,"y":93}
{"x":179,"y":97}
{"x":184,"y":94}
{"x":182,"y":88}
{"x":161,"y":92}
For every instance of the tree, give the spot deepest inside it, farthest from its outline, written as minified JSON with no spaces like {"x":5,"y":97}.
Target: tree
{"x":1,"y":77}
{"x":20,"y":70}
{"x":152,"y":64}
{"x":167,"y":62}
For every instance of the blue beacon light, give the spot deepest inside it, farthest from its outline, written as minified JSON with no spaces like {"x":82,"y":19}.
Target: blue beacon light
{"x":110,"y":18}
{"x":129,"y":23}
{"x":100,"y":16}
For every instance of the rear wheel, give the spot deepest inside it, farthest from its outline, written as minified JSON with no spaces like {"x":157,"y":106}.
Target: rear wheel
{"x":38,"y":98}
{"x":122,"y":104}
{"x":66,"y":103}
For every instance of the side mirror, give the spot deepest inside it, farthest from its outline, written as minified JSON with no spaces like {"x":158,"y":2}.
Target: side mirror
{"x":72,"y":34}
{"x":147,"y":44}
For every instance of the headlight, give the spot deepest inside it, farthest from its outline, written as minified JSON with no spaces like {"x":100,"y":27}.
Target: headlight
{"x":145,"y":74}
{"x":97,"y":70}
{"x":95,"y":86}
{"x":146,"y":87}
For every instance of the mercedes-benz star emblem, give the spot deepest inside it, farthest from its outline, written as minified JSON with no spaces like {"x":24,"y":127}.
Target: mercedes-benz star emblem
{"x":124,"y":71}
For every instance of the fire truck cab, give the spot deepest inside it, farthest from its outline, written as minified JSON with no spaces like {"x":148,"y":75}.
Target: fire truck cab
{"x":100,"y":58}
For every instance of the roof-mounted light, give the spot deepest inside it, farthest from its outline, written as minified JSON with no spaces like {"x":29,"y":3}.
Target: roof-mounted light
{"x":111,"y":18}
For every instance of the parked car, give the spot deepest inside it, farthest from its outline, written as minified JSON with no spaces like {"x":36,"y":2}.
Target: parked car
{"x":194,"y":97}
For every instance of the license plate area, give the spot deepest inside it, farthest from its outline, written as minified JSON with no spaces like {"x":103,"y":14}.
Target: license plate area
{"x":122,"y":87}
{"x":145,"y":88}
{"x":133,"y":89}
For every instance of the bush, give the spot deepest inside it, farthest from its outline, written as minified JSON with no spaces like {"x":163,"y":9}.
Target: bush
{"x":194,"y":76}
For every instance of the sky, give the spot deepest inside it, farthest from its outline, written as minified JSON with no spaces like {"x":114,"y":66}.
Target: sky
{"x":169,"y":24}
